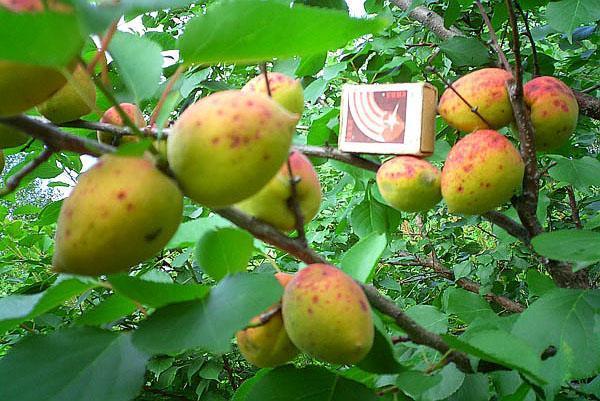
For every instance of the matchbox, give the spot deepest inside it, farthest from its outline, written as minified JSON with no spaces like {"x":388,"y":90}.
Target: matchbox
{"x":396,"y":119}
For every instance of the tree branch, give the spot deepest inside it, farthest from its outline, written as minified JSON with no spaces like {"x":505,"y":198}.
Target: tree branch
{"x":509,"y":225}
{"x":13,"y":182}
{"x":573,"y":205}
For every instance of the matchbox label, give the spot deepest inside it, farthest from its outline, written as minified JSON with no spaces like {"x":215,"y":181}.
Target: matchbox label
{"x":388,"y":118}
{"x":376,"y":116}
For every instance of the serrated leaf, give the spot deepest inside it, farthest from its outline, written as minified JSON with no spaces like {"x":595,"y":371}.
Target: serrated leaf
{"x":435,"y":387}
{"x":155,"y":294}
{"x":78,"y":364}
{"x":307,"y":384}
{"x":40,"y":32}
{"x":224,"y":251}
{"x":361,"y":259}
{"x":109,"y":310}
{"x":566,"y":15}
{"x":565,"y":319}
{"x":500,"y":347}
{"x":139,"y":63}
{"x":465,"y":51}
{"x":15,"y":309}
{"x":569,"y":245}
{"x":581,"y":173}
{"x":248,"y":31}
{"x":209,"y":323}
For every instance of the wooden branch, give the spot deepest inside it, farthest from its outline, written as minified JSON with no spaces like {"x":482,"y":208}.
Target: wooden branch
{"x":55,"y":138}
{"x":534,"y":54}
{"x":163,"y":98}
{"x":494,"y":37}
{"x":13,"y":182}
{"x":588,"y":105}
{"x":100,"y":53}
{"x":336,"y":154}
{"x":465,"y":283}
{"x":509,"y":225}
{"x":574,"y":208}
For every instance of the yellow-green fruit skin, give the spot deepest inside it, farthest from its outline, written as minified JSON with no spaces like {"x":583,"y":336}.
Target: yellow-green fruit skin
{"x":484,"y":89}
{"x":271,"y":203}
{"x":112,"y":116}
{"x":482,"y":171}
{"x":409,"y":184}
{"x":553,"y":109}
{"x":72,"y":101}
{"x":327,"y":315}
{"x":227,"y":146}
{"x":285,"y":90}
{"x":268,"y":345}
{"x":121,"y":212}
{"x":11,"y":137}
{"x":23,"y":86}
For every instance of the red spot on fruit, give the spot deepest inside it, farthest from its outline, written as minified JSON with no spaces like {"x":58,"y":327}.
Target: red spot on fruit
{"x":249,"y":103}
{"x":363,"y":305}
{"x":122,"y":194}
{"x":460,"y":188}
{"x":215,"y":140}
{"x":315,"y":299}
{"x":130,"y":207}
{"x":310,"y":311}
{"x":235,"y":141}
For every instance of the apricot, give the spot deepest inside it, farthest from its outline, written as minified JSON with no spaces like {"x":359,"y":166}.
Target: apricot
{"x":112,"y":116}
{"x":482,"y":171}
{"x":484,"y":89}
{"x":121,"y":212}
{"x":74,"y":100}
{"x":268,"y":345}
{"x":409,"y":184}
{"x":24,"y":86}
{"x":227,"y":146}
{"x":554,"y":111}
{"x":11,"y":137}
{"x":285,"y":90}
{"x":273,"y":202}
{"x":327,"y":315}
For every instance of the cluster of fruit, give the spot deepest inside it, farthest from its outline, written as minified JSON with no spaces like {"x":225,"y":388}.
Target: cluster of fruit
{"x":323,"y":313}
{"x":483,"y":170}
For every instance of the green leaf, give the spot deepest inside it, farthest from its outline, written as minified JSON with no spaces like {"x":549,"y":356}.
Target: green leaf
{"x":465,"y":51}
{"x":423,"y":387}
{"x":15,"y":309}
{"x":248,"y":31}
{"x":380,"y":358}
{"x":242,"y":392}
{"x":466,"y":305}
{"x":475,"y":387}
{"x":311,"y":65}
{"x":500,"y":347}
{"x":139,"y":63}
{"x":224,"y":251}
{"x":49,"y":214}
{"x":78,"y":364}
{"x":567,"y":320}
{"x":189,"y":232}
{"x":361,"y":259}
{"x":429,"y":317}
{"x":566,"y":15}
{"x":581,"y":173}
{"x":210,"y":323}
{"x":109,"y":310}
{"x":337,"y":4}
{"x":307,"y":384}
{"x":372,"y":216}
{"x":32,"y":38}
{"x":569,"y":245}
{"x":538,"y":283}
{"x":153,"y":293}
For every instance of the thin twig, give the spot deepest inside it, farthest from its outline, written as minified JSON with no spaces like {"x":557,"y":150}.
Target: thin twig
{"x":172,"y":80}
{"x":103,"y":47}
{"x":494,"y":37}
{"x":265,"y":317}
{"x":534,"y":54}
{"x":509,"y":225}
{"x":230,"y":377}
{"x":453,"y":89}
{"x":574,"y":208}
{"x":13,"y":182}
{"x":294,"y":205}
{"x":263,"y":69}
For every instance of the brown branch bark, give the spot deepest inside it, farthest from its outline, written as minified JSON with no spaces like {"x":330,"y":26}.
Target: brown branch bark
{"x":13,"y":182}
{"x":574,"y":208}
{"x":588,"y":105}
{"x":469,"y":285}
{"x":509,"y":225}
